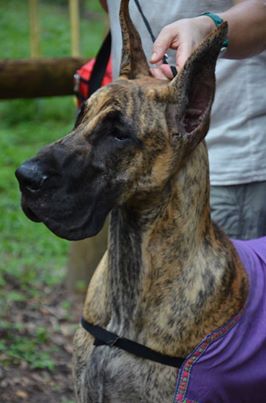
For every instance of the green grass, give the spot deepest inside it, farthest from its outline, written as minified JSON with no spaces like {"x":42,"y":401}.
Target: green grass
{"x":54,"y":28}
{"x":28,"y":250}
{"x":30,"y":255}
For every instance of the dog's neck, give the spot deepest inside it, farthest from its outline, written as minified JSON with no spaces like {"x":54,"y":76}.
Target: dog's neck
{"x":167,"y":253}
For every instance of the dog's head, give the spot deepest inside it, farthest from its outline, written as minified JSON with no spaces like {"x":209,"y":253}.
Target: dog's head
{"x":129,"y":139}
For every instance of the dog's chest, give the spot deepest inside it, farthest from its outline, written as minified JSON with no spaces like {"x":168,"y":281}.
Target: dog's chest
{"x":112,"y":375}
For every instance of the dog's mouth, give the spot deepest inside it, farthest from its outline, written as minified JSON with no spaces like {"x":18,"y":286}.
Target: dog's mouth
{"x":29,"y":212}
{"x":68,"y":223}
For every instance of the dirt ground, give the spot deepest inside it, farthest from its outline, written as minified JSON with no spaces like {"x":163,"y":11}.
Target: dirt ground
{"x":53,"y":316}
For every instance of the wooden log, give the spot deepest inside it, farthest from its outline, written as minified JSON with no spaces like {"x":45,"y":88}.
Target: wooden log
{"x":42,"y":77}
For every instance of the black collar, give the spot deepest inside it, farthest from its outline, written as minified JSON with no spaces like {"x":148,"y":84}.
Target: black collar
{"x":103,"y":337}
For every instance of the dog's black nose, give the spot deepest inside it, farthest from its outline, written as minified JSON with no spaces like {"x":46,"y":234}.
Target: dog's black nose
{"x":31,"y":176}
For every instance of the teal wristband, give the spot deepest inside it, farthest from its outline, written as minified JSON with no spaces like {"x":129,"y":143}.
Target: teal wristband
{"x":217,"y":21}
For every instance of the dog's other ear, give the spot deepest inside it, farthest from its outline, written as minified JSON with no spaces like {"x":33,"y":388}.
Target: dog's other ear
{"x":194,"y":88}
{"x":133,"y":63}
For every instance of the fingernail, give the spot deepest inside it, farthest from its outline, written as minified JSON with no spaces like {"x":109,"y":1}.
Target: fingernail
{"x":153,"y":57}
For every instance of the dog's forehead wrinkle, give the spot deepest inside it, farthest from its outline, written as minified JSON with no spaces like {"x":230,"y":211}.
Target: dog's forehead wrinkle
{"x":117,"y":101}
{"x":100,"y":119}
{"x":131,"y":97}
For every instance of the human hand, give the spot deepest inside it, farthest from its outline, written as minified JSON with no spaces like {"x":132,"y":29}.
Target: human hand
{"x":183,"y":36}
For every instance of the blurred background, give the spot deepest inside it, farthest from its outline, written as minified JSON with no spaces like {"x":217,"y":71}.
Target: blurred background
{"x":38,"y":314}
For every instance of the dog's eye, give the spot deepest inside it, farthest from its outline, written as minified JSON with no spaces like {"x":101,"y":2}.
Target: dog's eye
{"x":119,"y":136}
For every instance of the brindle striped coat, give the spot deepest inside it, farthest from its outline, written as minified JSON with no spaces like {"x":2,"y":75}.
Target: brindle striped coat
{"x":169,"y":276}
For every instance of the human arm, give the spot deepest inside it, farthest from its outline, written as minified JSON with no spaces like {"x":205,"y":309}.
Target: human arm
{"x":246,"y":33}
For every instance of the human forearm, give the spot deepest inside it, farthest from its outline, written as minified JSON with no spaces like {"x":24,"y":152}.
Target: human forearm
{"x":246,"y":29}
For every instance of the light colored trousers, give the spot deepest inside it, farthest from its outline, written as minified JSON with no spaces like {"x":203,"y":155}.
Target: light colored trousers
{"x":240,"y":210}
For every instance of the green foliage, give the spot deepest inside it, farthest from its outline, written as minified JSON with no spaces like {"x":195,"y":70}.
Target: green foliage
{"x":54,"y":28}
{"x":15,"y":348}
{"x":29,"y":251}
{"x":24,"y":349}
{"x":31,"y":257}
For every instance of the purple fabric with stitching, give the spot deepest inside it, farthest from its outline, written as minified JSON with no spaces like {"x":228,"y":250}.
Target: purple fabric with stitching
{"x":232,"y":369}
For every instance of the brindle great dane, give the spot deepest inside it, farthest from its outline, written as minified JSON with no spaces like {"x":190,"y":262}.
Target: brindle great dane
{"x":169,"y":276}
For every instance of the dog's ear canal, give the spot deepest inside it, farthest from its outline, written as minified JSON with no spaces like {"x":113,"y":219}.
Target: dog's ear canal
{"x":133,"y":63}
{"x":194,"y":87}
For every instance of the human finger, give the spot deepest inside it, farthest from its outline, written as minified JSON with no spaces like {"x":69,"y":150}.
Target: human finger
{"x":157,"y":72}
{"x":164,"y":41}
{"x":167,"y":71}
{"x":182,"y":54}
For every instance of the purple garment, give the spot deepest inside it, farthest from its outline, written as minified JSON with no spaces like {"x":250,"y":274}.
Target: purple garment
{"x":229,"y":365}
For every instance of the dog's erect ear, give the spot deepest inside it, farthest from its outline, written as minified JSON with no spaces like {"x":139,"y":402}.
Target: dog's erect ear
{"x":194,"y":87}
{"x":133,"y":63}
